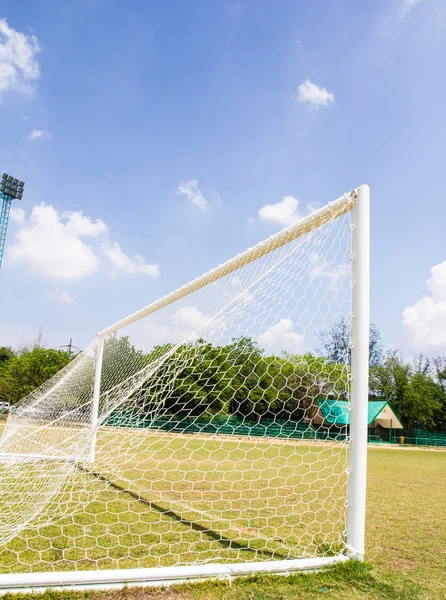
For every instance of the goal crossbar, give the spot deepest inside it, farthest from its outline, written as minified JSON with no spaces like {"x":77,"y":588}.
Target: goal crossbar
{"x":316,"y":219}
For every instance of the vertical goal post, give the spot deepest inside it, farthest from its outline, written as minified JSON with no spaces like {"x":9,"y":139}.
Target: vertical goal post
{"x":156,"y":416}
{"x":359,"y":373}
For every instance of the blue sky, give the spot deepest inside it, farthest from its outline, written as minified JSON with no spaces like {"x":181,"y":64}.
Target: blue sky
{"x":107,"y":108}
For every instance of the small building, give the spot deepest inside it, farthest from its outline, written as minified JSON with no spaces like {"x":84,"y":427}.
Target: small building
{"x":382,"y":420}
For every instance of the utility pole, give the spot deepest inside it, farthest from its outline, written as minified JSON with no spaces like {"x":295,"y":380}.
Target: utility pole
{"x":70,"y":348}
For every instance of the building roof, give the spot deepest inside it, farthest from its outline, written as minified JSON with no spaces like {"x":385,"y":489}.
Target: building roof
{"x":336,"y":412}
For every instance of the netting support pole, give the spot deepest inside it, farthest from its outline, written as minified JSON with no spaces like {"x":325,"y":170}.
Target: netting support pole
{"x":96,"y":394}
{"x":359,"y":374}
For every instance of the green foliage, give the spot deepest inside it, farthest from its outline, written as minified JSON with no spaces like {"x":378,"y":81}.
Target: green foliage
{"x":238,"y":379}
{"x":417,"y":391}
{"x":23,"y":372}
{"x":412,"y":391}
{"x":120,"y":357}
{"x":6,"y":352}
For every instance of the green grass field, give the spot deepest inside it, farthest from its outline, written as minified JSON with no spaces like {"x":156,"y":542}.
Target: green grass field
{"x":176,"y":499}
{"x":255,"y":520}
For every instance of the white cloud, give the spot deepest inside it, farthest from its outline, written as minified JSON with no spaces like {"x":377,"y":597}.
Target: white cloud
{"x":38,"y":134}
{"x":68,"y":246}
{"x":244,"y":295}
{"x":47,"y":249}
{"x":312,"y":207}
{"x":336,"y":274}
{"x":407,"y":5}
{"x":314,"y":94}
{"x":281,"y":336}
{"x":425,"y":321}
{"x":27,"y":118}
{"x":251,"y":220}
{"x":191,"y":191}
{"x":17,"y":215}
{"x":131,"y":265}
{"x":60,"y":296}
{"x":79,"y":225}
{"x":191,"y":316}
{"x":318,"y":266}
{"x":284,"y":213}
{"x":18,"y":63}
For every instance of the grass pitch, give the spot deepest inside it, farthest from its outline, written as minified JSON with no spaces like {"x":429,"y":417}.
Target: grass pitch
{"x":406,"y":525}
{"x":162,"y":500}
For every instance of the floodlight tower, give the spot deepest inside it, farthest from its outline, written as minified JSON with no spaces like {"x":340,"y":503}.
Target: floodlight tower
{"x":10,"y":188}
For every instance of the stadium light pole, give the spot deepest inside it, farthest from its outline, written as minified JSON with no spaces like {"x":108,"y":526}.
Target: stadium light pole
{"x":10,"y":189}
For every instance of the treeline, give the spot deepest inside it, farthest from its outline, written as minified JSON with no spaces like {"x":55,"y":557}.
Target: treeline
{"x":240,"y":379}
{"x":23,"y":370}
{"x":236,"y":379}
{"x":415,"y":389}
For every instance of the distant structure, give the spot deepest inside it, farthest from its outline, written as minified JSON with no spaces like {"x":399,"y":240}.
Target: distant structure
{"x":10,"y":188}
{"x":70,"y":347}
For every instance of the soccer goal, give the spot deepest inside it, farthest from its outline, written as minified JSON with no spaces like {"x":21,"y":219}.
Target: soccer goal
{"x":192,"y":439}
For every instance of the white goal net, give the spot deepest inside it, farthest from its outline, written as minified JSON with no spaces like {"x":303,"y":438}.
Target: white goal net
{"x":208,"y":429}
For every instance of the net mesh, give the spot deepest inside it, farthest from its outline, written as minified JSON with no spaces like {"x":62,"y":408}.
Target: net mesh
{"x":209,"y":443}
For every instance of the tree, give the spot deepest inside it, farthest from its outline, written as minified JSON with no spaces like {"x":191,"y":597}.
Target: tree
{"x":439,"y":370}
{"x":21,"y":374}
{"x":251,"y":393}
{"x":120,"y":357}
{"x":299,"y":380}
{"x":238,"y":379}
{"x":6,"y":352}
{"x":424,"y":401}
{"x":413,"y":393}
{"x":336,"y":343}
{"x":439,"y":366}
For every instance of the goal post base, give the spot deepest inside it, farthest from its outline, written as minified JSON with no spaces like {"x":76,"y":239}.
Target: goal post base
{"x":353,"y":554}
{"x":158,"y":576}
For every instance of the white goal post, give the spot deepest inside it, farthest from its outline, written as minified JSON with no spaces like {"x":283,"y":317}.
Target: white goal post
{"x":216,"y":432}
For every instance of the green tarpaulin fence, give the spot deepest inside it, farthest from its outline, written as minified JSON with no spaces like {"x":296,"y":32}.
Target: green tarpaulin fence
{"x":227,"y":426}
{"x":274,"y":428}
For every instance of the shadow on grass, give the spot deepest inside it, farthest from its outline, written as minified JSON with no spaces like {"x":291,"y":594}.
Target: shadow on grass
{"x":213,"y":535}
